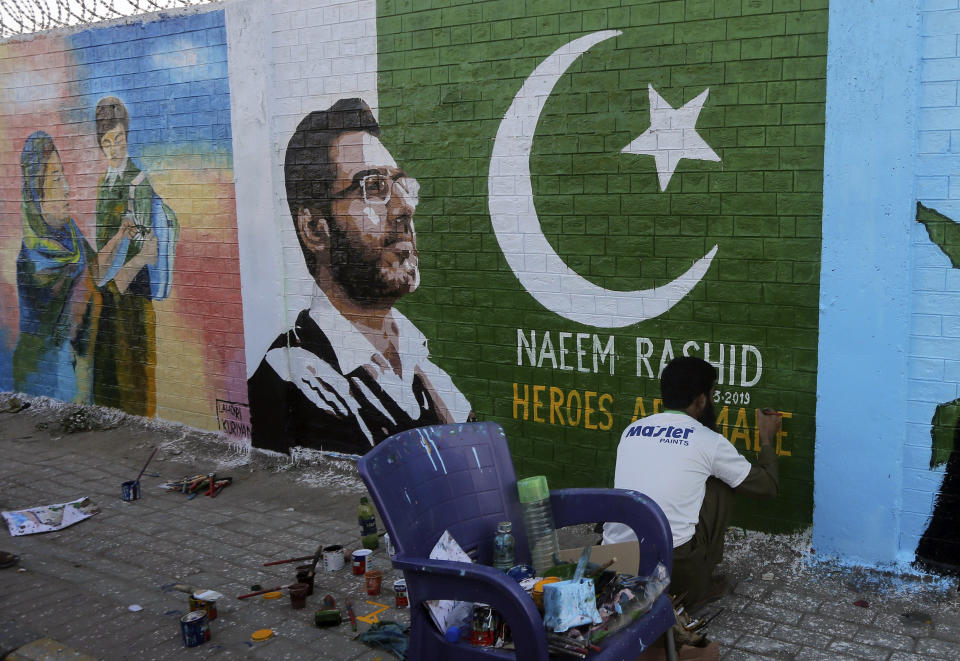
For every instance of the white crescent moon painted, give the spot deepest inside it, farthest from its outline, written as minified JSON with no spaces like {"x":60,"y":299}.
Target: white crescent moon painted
{"x":535,"y":263}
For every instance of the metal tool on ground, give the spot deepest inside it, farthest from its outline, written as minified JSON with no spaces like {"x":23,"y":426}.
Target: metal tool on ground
{"x":258,"y":592}
{"x":316,"y":556}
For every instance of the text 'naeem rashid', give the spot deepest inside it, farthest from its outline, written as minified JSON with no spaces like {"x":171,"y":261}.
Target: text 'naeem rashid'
{"x":737,"y":365}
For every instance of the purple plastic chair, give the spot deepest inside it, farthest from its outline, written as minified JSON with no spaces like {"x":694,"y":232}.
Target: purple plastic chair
{"x":460,"y":478}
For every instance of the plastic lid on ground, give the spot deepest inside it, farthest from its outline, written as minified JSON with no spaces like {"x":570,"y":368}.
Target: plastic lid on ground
{"x":532,"y":489}
{"x":262,"y":634}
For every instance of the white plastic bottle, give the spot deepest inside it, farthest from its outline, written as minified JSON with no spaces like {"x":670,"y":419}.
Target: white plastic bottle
{"x":538,"y":520}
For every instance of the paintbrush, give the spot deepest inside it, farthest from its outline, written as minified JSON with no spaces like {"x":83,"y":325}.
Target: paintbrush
{"x":288,"y":560}
{"x":149,"y":459}
{"x":353,"y":617}
{"x":314,"y":558}
{"x":602,"y":568}
{"x":276,"y":589}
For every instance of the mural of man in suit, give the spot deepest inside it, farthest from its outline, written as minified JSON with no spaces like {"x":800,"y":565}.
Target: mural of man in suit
{"x":354,"y":369}
{"x":129,"y":212}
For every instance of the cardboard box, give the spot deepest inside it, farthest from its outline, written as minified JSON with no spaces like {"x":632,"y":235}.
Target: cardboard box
{"x":626,"y":553}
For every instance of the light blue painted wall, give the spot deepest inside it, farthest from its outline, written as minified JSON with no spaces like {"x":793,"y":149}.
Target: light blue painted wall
{"x":869,"y":198}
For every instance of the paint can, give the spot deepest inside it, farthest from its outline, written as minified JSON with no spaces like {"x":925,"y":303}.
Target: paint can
{"x":305,"y":575}
{"x":484,"y":625}
{"x":327,"y":618}
{"x":400,"y":593}
{"x":374,"y":579}
{"x":333,"y":558}
{"x":195,"y":628}
{"x":362,"y":561}
{"x":298,"y":595}
{"x":130,"y":490}
{"x":206,"y":601}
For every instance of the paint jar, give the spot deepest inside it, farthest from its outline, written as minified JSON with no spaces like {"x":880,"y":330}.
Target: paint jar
{"x":130,"y":490}
{"x":400,"y":593}
{"x":298,"y":595}
{"x":374,"y":580}
{"x":537,"y":592}
{"x":305,"y":575}
{"x":484,"y":625}
{"x":195,"y":628}
{"x":327,"y":618}
{"x":362,"y":561}
{"x":205,"y":600}
{"x":333,"y":558}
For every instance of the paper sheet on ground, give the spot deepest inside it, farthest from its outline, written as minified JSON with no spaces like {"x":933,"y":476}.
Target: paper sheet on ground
{"x":447,"y":612}
{"x":46,"y":518}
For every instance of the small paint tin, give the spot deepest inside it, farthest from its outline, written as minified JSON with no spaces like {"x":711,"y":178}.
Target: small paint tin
{"x":130,"y":490}
{"x":362,"y":561}
{"x":333,"y":558}
{"x":484,"y":625}
{"x":205,"y":600}
{"x":327,"y":618}
{"x":374,"y":580}
{"x":195,"y":628}
{"x":400,"y":593}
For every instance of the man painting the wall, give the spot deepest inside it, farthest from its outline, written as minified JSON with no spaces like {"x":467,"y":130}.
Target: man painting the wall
{"x":353,"y":370}
{"x":131,"y":213}
{"x":692,"y":472}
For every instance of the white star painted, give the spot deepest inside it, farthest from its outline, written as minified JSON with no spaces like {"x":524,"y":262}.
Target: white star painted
{"x":672,"y":135}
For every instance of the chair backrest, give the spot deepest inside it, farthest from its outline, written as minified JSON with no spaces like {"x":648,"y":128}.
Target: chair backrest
{"x":455,"y":477}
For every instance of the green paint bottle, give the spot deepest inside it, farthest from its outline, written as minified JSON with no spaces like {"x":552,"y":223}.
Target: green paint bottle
{"x":368,"y":525}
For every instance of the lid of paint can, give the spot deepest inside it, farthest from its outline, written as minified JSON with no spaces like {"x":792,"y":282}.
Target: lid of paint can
{"x":262,"y":634}
{"x":273,"y":595}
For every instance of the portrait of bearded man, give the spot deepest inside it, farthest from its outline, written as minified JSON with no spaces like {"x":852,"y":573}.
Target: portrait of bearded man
{"x":353,"y":370}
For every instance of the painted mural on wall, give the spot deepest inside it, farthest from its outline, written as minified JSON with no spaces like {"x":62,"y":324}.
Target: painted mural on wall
{"x":603,"y":189}
{"x":939,"y":547}
{"x":116,"y":142}
{"x":353,"y":370}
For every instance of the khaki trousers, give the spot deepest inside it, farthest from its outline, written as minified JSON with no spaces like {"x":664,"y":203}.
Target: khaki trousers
{"x":694,"y":560}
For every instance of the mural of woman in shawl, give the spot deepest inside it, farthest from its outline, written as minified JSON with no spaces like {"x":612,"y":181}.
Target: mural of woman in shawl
{"x":55,"y":287}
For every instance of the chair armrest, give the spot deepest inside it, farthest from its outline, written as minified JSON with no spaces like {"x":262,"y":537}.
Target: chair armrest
{"x":631,"y":508}
{"x":444,"y":579}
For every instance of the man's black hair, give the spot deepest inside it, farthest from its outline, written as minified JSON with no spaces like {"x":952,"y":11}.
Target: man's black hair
{"x":109,"y":113}
{"x":308,"y":171}
{"x":684,"y":379}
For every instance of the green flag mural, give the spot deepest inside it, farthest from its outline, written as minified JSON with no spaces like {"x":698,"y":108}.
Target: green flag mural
{"x":606,"y":188}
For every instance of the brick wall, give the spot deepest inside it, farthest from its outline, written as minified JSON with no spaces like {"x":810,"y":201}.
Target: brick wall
{"x":935,"y":335}
{"x":561,"y":344}
{"x":185,"y":353}
{"x":447,"y":77}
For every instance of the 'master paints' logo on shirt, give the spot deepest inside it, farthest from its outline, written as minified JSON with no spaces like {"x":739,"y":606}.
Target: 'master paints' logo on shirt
{"x":665,"y":434}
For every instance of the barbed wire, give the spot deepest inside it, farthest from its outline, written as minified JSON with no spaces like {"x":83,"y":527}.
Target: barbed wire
{"x":29,"y":16}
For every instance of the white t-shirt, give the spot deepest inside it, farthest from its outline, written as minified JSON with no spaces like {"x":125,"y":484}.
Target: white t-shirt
{"x":668,"y":457}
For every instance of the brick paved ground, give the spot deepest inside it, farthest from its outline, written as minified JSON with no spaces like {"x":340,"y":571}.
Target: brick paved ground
{"x":79,"y":582}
